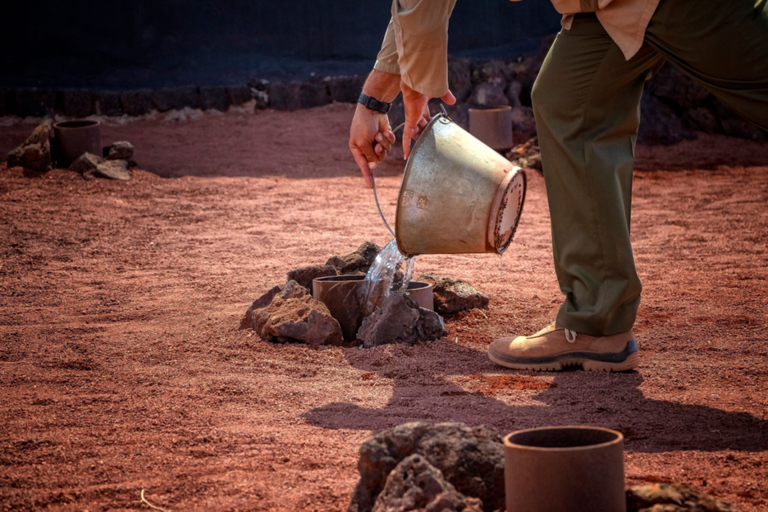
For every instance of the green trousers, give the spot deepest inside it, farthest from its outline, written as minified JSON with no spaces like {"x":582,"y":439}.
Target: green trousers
{"x":586,"y":101}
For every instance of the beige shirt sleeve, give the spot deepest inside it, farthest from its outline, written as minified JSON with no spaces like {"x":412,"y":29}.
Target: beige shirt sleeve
{"x":386,"y":61}
{"x":419,"y":29}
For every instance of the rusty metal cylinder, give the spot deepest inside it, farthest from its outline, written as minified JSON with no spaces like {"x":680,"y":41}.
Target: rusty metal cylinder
{"x":574,"y":468}
{"x":73,"y":138}
{"x":493,"y":126}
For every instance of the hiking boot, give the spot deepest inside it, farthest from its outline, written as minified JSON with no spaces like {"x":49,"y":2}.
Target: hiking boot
{"x":555,"y":347}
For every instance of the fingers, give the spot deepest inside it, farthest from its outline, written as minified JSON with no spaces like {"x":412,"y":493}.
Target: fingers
{"x":364,"y":164}
{"x":448,"y":98}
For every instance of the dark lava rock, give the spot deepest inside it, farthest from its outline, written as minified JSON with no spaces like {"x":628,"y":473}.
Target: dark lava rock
{"x":305,"y":275}
{"x":400,"y":320}
{"x":111,"y":169}
{"x":488,"y":95}
{"x":176,"y":98}
{"x":668,"y":497}
{"x":460,"y":77}
{"x":359,"y":260}
{"x":416,"y":485}
{"x":660,"y":124}
{"x":94,"y":166}
{"x":214,"y":98}
{"x":35,"y":102}
{"x":513,"y":92}
{"x":137,"y":102}
{"x":677,"y":87}
{"x":293,"y":315}
{"x":284,"y":95}
{"x":35,"y":152}
{"x":261,"y":302}
{"x":345,"y":89}
{"x":523,"y":121}
{"x":493,"y":72}
{"x":454,"y":295}
{"x":108,"y":104}
{"x":470,"y":458}
{"x":119,"y":150}
{"x":313,"y":94}
{"x":5,"y":104}
{"x":526,"y":155}
{"x":86,"y":163}
{"x":239,"y":94}
{"x":76,"y":103}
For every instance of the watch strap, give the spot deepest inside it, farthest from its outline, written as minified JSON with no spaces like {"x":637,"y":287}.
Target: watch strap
{"x":374,"y":104}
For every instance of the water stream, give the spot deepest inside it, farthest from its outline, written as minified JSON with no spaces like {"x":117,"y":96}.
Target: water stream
{"x":390,"y":273}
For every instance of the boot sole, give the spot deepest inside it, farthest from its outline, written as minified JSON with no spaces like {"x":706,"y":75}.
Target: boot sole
{"x":623,"y":361}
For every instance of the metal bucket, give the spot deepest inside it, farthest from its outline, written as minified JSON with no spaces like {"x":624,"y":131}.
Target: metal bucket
{"x":73,"y":138}
{"x":551,"y":469}
{"x":457,"y":195}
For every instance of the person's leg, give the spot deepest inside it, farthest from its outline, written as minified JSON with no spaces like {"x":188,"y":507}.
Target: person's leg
{"x":586,"y":100}
{"x":721,"y":43}
{"x":586,"y":103}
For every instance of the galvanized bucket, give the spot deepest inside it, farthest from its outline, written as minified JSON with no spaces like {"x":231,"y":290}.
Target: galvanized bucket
{"x":457,"y":195}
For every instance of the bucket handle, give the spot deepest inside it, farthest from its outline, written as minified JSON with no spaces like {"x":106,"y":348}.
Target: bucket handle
{"x":373,"y":178}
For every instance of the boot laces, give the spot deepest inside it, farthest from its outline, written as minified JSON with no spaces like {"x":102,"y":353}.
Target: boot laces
{"x":570,"y":335}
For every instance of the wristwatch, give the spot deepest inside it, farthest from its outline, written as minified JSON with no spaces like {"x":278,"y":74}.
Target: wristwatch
{"x":373,"y":104}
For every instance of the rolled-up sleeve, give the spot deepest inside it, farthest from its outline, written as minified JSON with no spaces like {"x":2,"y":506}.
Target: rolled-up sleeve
{"x":386,"y":61}
{"x":418,"y":35}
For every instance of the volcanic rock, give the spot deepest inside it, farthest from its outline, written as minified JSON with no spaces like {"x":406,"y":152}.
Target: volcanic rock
{"x":416,"y":485}
{"x":112,"y":169}
{"x":470,"y":458}
{"x":293,"y":315}
{"x":170,"y":98}
{"x":35,"y":102}
{"x":313,"y":94}
{"x":513,"y":92}
{"x":527,"y":155}
{"x":400,"y":320}
{"x":108,"y":103}
{"x":344,"y":89}
{"x":137,"y":102}
{"x":660,"y":124}
{"x":86,"y":163}
{"x":460,"y":77}
{"x":494,"y":72}
{"x":454,"y":295}
{"x":35,"y":152}
{"x":120,"y":150}
{"x":93,"y":166}
{"x":239,"y":94}
{"x":284,"y":95}
{"x":76,"y":103}
{"x":488,"y":95}
{"x":304,"y":275}
{"x":214,"y":98}
{"x":360,"y":260}
{"x":669,"y":497}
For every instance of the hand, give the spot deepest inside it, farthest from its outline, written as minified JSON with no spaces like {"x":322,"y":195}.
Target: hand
{"x":370,"y":139}
{"x":417,"y":114}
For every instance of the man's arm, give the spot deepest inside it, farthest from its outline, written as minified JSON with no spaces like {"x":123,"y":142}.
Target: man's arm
{"x":413,"y":58}
{"x":370,"y":136}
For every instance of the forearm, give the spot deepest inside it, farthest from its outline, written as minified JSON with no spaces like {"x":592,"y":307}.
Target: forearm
{"x":382,"y":86}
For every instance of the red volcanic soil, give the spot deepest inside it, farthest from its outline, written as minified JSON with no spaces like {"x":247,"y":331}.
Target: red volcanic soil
{"x":122,"y":368}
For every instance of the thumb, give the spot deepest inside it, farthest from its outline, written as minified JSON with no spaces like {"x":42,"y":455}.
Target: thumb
{"x":448,"y":98}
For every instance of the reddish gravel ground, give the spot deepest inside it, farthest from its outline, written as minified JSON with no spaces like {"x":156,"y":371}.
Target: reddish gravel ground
{"x":122,"y":368}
